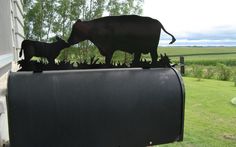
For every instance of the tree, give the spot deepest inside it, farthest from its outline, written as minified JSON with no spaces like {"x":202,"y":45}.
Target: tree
{"x":27,"y":7}
{"x":43,"y":18}
{"x":38,"y":19}
{"x":49,"y":16}
{"x":121,"y":7}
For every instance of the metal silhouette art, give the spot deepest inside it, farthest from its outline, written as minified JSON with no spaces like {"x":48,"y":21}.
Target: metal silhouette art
{"x":41,"y":49}
{"x":129,"y":33}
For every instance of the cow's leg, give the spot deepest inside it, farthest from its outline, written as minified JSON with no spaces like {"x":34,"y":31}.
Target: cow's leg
{"x":51,"y":61}
{"x":29,"y":53}
{"x":153,"y":51}
{"x":27,"y":56}
{"x":27,"y":59}
{"x":108,"y":53}
{"x":108,"y":58}
{"x":154,"y":55}
{"x":137,"y":56}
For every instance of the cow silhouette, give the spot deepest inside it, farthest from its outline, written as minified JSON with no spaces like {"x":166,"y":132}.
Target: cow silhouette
{"x":41,"y":49}
{"x":129,"y":33}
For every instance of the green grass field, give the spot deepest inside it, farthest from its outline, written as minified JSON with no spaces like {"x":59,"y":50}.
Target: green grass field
{"x":210,"y":117}
{"x":201,"y":55}
{"x":173,"y":51}
{"x":193,"y":55}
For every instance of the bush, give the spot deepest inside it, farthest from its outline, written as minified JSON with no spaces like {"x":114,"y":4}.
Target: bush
{"x":197,"y":71}
{"x":213,"y":62}
{"x":209,"y":72}
{"x":223,"y":72}
{"x":233,"y":101}
{"x":188,"y":72}
{"x":235,"y":81}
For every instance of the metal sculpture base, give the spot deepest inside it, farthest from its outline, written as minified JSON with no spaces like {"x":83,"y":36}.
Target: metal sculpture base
{"x":35,"y":66}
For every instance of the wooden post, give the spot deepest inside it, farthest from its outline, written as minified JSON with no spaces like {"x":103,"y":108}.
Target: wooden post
{"x":182,"y":68}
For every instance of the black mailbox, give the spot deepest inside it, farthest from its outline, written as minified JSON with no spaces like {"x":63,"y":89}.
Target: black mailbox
{"x":96,"y":108}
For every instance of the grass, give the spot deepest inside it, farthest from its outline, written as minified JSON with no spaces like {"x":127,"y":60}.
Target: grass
{"x":202,"y":55}
{"x":176,"y":51}
{"x":210,"y":117}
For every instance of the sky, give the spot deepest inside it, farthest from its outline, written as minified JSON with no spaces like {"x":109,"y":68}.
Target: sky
{"x":195,"y":22}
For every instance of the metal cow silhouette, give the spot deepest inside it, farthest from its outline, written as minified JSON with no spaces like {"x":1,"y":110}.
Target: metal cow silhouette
{"x":128,"y":33}
{"x":41,"y":49}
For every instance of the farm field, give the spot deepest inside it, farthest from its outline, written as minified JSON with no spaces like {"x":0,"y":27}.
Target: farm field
{"x":196,"y":50}
{"x":202,"y":55}
{"x":209,"y":115}
{"x":207,"y":59}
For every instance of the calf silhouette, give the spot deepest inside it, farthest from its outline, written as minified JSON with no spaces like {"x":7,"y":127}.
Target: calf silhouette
{"x":42,"y":49}
{"x":129,"y":33}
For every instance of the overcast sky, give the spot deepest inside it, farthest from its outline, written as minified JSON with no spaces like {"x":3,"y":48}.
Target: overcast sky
{"x":195,"y":22}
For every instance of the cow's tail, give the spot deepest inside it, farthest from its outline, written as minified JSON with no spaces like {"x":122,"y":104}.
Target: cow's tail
{"x":173,"y":38}
{"x":21,"y":50}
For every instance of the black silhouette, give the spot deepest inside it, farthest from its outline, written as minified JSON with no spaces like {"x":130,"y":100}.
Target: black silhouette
{"x":165,"y":61}
{"x":129,"y":33}
{"x":42,"y":49}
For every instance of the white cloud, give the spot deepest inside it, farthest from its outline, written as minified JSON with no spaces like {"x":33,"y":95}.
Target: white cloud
{"x":184,"y":17}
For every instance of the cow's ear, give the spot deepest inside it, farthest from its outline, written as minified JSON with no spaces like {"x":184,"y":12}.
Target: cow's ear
{"x":79,"y":20}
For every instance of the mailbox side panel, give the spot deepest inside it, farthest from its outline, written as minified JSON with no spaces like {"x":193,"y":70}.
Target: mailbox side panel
{"x":95,"y":108}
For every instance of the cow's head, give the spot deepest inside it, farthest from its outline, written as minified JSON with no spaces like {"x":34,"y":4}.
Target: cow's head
{"x":78,"y":33}
{"x":61,"y":43}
